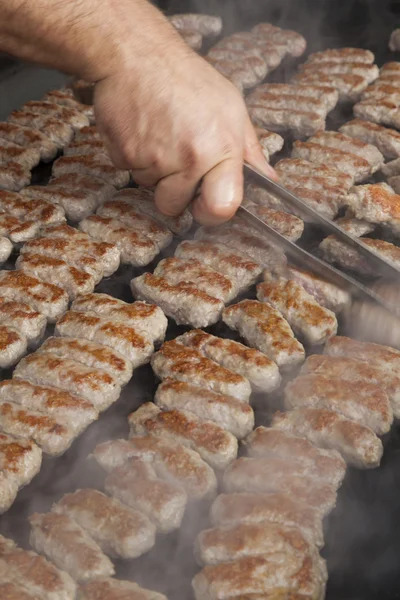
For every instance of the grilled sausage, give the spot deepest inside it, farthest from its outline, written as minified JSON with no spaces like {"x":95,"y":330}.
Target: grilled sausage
{"x":119,"y":530}
{"x":96,"y":165}
{"x":115,"y":589}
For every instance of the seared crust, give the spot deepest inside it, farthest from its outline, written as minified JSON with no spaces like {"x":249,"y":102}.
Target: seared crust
{"x":309,"y":319}
{"x":147,"y":319}
{"x":34,"y":573}
{"x":115,"y":589}
{"x":376,"y":204}
{"x":187,"y":364}
{"x":60,"y":132}
{"x":357,"y":371}
{"x":282,"y":509}
{"x":136,"y":484}
{"x":98,"y":387}
{"x":279,"y":475}
{"x":171,"y":461}
{"x":50,"y":300}
{"x":361,"y":401}
{"x":119,"y":530}
{"x":135,"y":347}
{"x":29,"y":137}
{"x":386,"y":140}
{"x":183,"y":302}
{"x":222,"y":259}
{"x":91,"y":355}
{"x":385,"y":357}
{"x":176,"y":270}
{"x":215,"y":445}
{"x":266,"y":442}
{"x":68,"y":546}
{"x":226,"y":411}
{"x":97,"y":165}
{"x":18,"y":206}
{"x":260,"y":370}
{"x":63,"y":406}
{"x":358,"y":444}
{"x":264,"y":328}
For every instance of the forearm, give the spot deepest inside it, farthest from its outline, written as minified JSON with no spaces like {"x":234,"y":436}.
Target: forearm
{"x":88,"y":38}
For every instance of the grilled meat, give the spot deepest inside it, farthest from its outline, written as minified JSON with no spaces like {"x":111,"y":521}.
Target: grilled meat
{"x":279,"y":475}
{"x":57,"y":272}
{"x":15,"y":591}
{"x":183,"y":302}
{"x":286,"y":224}
{"x":353,"y":226}
{"x":192,"y":38}
{"x":146,"y":319}
{"x":142,"y":199}
{"x":88,"y":134}
{"x":37,"y":577}
{"x":120,"y":531}
{"x":294,"y":42}
{"x":258,"y":575}
{"x":136,"y":484}
{"x":77,"y":204}
{"x":356,"y":370}
{"x":364,"y":402}
{"x":324,"y":292}
{"x":299,"y":123}
{"x":48,"y":299}
{"x":68,"y":546}
{"x":62,"y":406}
{"x":375,"y":204}
{"x":6,"y":248}
{"x":171,"y":461}
{"x":338,"y":252}
{"x":175,"y":270}
{"x":234,"y":509}
{"x":206,"y":25}
{"x":286,"y":99}
{"x":65,"y":97}
{"x":81,"y":148}
{"x":59,"y":132}
{"x":384,"y":111}
{"x":222,"y":259}
{"x":234,"y":542}
{"x":271,"y":142}
{"x":53,"y":437}
{"x":349,"y":86}
{"x":358,"y":444}
{"x":28,"y":158}
{"x":39,"y":210}
{"x":385,"y":357}
{"x":386,"y":140}
{"x":74,"y":118}
{"x":329,"y":97}
{"x":391,"y":168}
{"x":91,"y":355}
{"x":216,"y":446}
{"x":97,"y":258}
{"x":369,"y":72}
{"x":13,"y":345}
{"x":101,"y":190}
{"x":115,"y":589}
{"x":65,"y":250}
{"x":117,"y":208}
{"x":307,"y":318}
{"x":134,"y":347}
{"x":187,"y":364}
{"x":255,"y":366}
{"x":394,"y":41}
{"x":264,"y":442}
{"x":264,"y":328}
{"x":321,"y":175}
{"x":94,"y":385}
{"x":244,"y":240}
{"x":20,"y":458}
{"x":226,"y":411}
{"x":96,"y":165}
{"x":334,"y":139}
{"x":136,"y":249}
{"x":28,"y":137}
{"x":17,"y":229}
{"x":342,"y":55}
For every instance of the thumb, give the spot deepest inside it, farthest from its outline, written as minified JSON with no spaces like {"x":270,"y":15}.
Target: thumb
{"x":253,"y":153}
{"x":221,"y":192}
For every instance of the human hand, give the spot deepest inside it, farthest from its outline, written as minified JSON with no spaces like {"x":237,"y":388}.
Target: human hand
{"x":176,"y":122}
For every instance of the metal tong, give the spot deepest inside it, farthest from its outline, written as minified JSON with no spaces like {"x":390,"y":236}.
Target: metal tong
{"x":305,"y":260}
